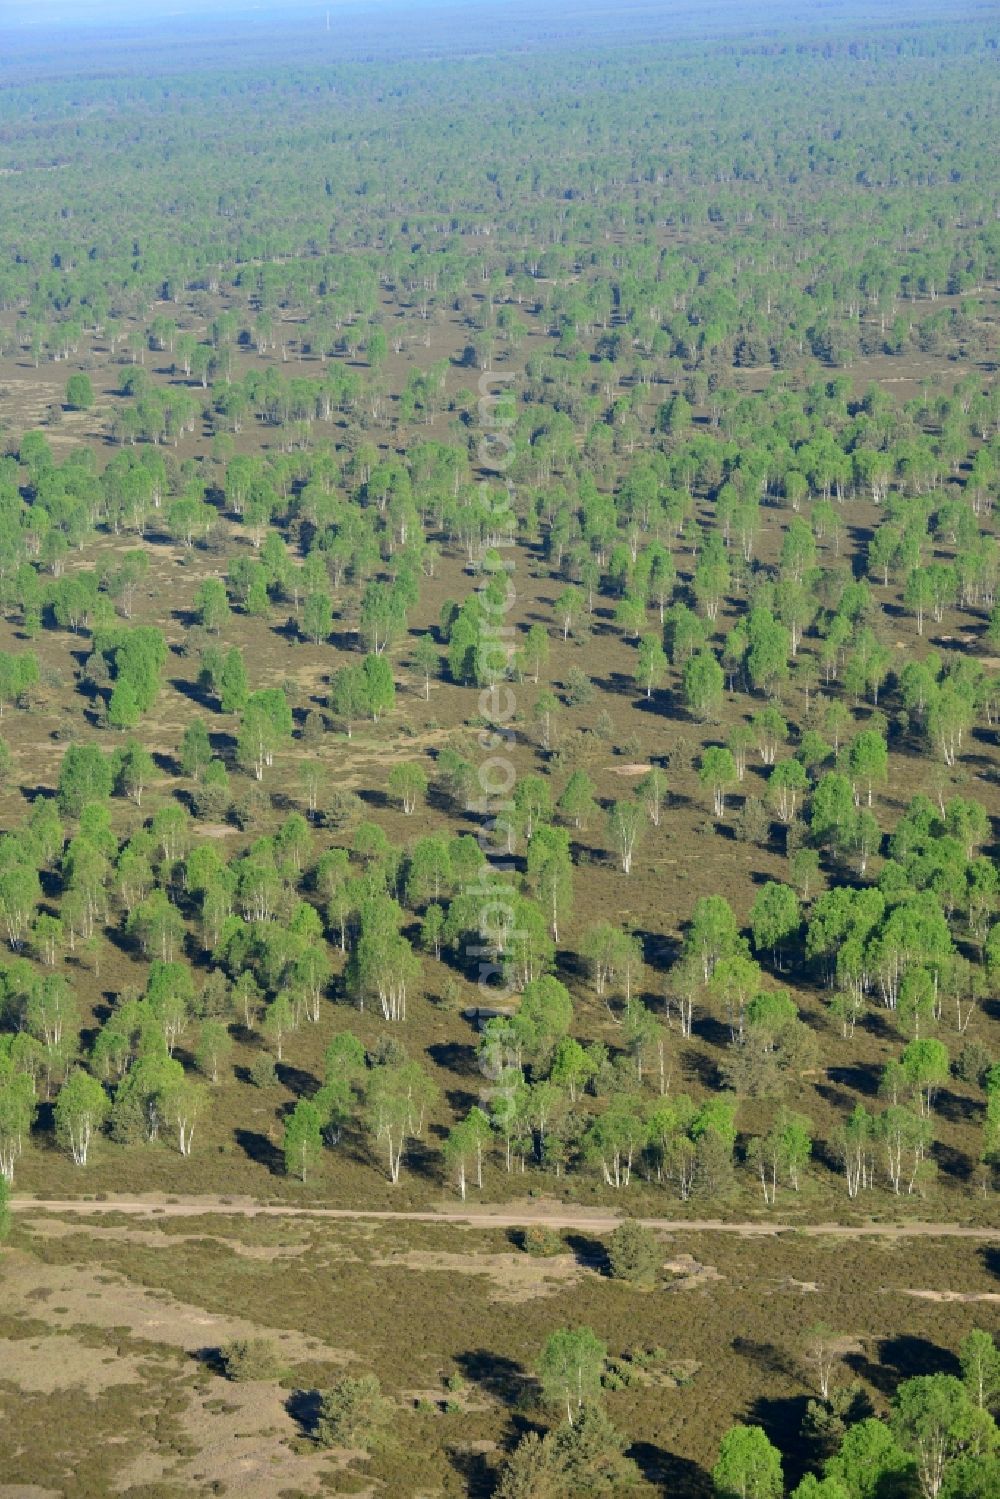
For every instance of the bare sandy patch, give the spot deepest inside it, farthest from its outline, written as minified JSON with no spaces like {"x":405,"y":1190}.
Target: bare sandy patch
{"x":514,"y":1277}
{"x":80,"y":1295}
{"x":53,"y":1228}
{"x":689,"y":1273}
{"x":243,"y":1434}
{"x":929,"y":1295}
{"x":216,"y":830}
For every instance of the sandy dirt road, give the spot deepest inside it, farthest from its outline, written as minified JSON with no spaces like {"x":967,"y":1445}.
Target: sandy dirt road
{"x":517,"y":1215}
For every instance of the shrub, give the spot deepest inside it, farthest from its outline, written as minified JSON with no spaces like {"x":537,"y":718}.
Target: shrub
{"x":341,"y":808}
{"x":314,"y":727}
{"x":634,"y":1253}
{"x":388,"y":1051}
{"x":579,"y":690}
{"x":262,"y":1073}
{"x":795,"y":837}
{"x":752,"y":824}
{"x":252,"y":809}
{"x":213,"y":796}
{"x":353,"y":1413}
{"x":451,"y":995}
{"x":128,"y":1119}
{"x":540,"y":1241}
{"x":618,"y":1375}
{"x":604,"y":728}
{"x":973,"y":1063}
{"x":245,"y":1359}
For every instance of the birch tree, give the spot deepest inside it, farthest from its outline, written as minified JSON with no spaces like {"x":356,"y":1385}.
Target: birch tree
{"x":303,"y":1142}
{"x":570,"y":1368}
{"x":625,"y":822}
{"x":81,"y":1108}
{"x":181,"y":1105}
{"x":17,"y":1113}
{"x":397,"y":1101}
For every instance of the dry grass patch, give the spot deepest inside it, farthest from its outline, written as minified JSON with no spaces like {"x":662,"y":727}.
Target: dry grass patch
{"x":42,"y":1365}
{"x":28,"y":1491}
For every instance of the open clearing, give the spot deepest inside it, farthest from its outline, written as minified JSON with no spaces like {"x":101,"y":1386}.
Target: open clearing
{"x":134,"y":1296}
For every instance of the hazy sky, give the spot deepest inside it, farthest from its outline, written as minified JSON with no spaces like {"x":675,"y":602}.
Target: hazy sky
{"x":82,"y":12}
{"x":42,"y":15}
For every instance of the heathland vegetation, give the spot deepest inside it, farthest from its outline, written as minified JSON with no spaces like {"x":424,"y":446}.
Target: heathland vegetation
{"x":499,"y":698}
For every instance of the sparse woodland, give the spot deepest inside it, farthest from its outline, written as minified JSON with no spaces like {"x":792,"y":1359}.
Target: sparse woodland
{"x":673,"y":895}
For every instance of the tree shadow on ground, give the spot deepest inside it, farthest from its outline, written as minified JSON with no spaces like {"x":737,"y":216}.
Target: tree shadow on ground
{"x":372,"y":797}
{"x":955,"y":1108}
{"x":990,"y":1256}
{"x":659,"y":950}
{"x":862,"y":1078}
{"x":460,"y":1101}
{"x":210,"y":1358}
{"x":588,"y":1252}
{"x":296,"y":1079}
{"x":672,"y":1473}
{"x":877,"y":1026}
{"x":195,"y":692}
{"x":910,"y":1356}
{"x":781,"y":1419}
{"x":768,"y":1357}
{"x":454,"y":1056}
{"x":712,"y":1031}
{"x":422,"y":1161}
{"x":837,"y":1098}
{"x":304,"y":1406}
{"x":476,"y":1472}
{"x":952,"y":1162}
{"x":260,"y":1150}
{"x":825,"y":1154}
{"x":899,"y":1358}
{"x":702,"y":1069}
{"x":498,"y":1376}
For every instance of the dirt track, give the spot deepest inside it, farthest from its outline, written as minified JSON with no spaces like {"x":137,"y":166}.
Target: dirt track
{"x":498,"y":1217}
